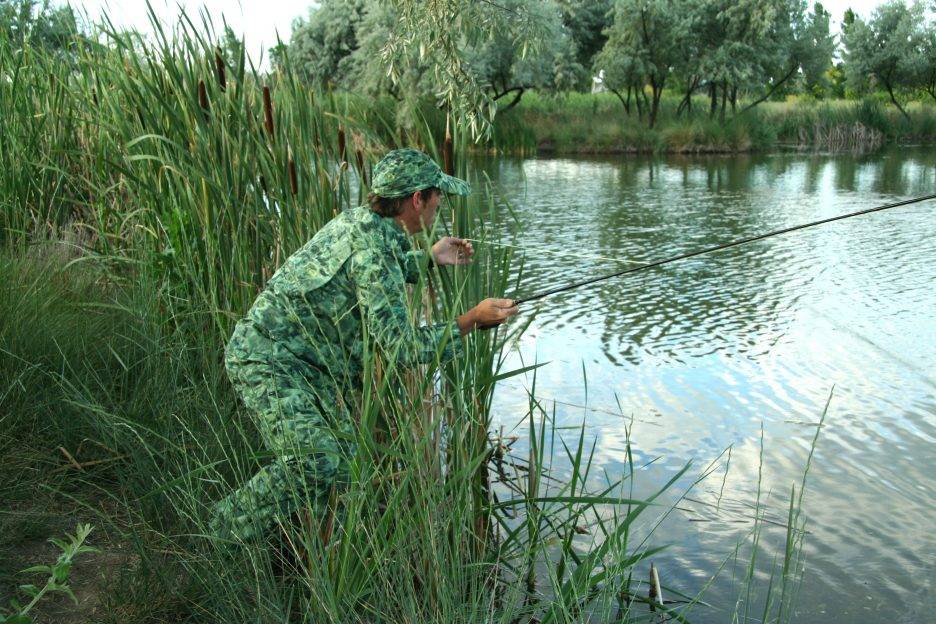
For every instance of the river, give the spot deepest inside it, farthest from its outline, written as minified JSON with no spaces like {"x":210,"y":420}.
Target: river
{"x":705,"y":354}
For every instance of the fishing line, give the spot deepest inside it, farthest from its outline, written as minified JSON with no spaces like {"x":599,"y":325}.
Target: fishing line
{"x":650,"y":265}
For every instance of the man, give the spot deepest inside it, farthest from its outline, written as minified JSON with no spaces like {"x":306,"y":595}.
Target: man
{"x":298,"y":355}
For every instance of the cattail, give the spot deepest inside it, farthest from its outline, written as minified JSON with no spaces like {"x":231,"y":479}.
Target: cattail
{"x":402,"y":136}
{"x":359,"y":158}
{"x":291,"y":167}
{"x":448,"y":156}
{"x":203,"y":98}
{"x":341,"y":143}
{"x":94,"y":96}
{"x":268,"y":112}
{"x":219,"y":69}
{"x":263,"y":184}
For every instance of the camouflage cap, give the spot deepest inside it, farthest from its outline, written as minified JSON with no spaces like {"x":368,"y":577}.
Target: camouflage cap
{"x":405,"y":171}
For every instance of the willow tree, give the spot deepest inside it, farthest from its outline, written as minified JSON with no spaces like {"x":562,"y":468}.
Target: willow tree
{"x":887,"y":50}
{"x":644,"y":43}
{"x":927,"y":71}
{"x":797,"y":44}
{"x":506,"y":71}
{"x":50,"y":28}
{"x":586,"y":22}
{"x":467,"y":53}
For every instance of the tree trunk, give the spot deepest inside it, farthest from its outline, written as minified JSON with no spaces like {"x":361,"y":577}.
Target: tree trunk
{"x":518,"y":93}
{"x":639,"y":103}
{"x":734,"y":99}
{"x":624,"y":102}
{"x":724,"y":100}
{"x":772,"y":89}
{"x":890,"y":91}
{"x":627,"y":104}
{"x":692,"y":88}
{"x":657,"y":94}
{"x":686,"y":102}
{"x":713,"y":95}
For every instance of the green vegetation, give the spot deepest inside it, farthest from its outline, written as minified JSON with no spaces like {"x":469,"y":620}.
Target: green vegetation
{"x":695,"y":68}
{"x":585,"y":123}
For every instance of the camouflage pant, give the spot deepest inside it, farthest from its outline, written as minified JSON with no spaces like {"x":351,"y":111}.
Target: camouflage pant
{"x":304,"y":423}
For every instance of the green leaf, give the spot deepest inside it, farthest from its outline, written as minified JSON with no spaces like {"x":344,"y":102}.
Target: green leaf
{"x":60,"y":571}
{"x":29,"y":590}
{"x":38,"y":569}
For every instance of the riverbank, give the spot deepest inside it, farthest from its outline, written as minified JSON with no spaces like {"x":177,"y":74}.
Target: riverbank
{"x":597,"y":124}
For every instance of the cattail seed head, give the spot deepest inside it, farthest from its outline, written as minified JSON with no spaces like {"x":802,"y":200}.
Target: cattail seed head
{"x":448,"y":151}
{"x":359,"y":159}
{"x":341,"y":143}
{"x":268,"y":112}
{"x":203,"y":98}
{"x":219,"y":69}
{"x":293,"y":179}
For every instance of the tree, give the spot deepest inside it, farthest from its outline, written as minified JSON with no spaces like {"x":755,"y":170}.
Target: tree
{"x":39,"y":24}
{"x":804,"y":47}
{"x":505,"y":69}
{"x":644,"y":43}
{"x":585,"y":22}
{"x":887,"y":50}
{"x":362,"y":45}
{"x":927,"y":77}
{"x":320,"y":46}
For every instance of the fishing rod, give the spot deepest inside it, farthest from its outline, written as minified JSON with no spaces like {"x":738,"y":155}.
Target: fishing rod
{"x":650,"y":265}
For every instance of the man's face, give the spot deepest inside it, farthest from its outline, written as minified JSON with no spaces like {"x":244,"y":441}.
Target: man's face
{"x":429,"y":206}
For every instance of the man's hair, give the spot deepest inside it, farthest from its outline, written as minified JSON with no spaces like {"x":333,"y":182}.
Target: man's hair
{"x":393,"y":206}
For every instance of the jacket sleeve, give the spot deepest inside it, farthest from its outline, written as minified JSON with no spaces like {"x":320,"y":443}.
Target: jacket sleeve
{"x":381,"y":295}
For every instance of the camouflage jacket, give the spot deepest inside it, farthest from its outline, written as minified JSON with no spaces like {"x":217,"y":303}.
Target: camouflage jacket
{"x":343,"y":288}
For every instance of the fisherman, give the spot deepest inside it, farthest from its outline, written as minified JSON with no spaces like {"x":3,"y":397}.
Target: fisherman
{"x":297,"y":358}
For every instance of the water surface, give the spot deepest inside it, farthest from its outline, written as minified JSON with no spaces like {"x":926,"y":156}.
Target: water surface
{"x":706,"y":353}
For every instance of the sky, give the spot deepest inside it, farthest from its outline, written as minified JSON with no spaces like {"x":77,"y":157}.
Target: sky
{"x":260,"y":21}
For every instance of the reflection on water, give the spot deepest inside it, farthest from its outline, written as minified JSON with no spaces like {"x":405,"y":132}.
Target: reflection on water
{"x":704,"y":352}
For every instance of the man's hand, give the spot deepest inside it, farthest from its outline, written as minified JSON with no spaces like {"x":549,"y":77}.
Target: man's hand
{"x":489,"y":313}
{"x":451,"y":250}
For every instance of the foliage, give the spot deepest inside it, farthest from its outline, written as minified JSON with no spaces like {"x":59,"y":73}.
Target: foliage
{"x":644,"y":43}
{"x":592,"y":123}
{"x":322,"y":45}
{"x":43,"y":26}
{"x":753,"y":47}
{"x":466,"y":54}
{"x":586,"y":22}
{"x":888,"y":50}
{"x":927,"y":69}
{"x":58,"y":576}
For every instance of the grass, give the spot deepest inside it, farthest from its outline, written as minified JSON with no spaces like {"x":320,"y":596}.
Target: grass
{"x":586,"y":123}
{"x":146,"y":195}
